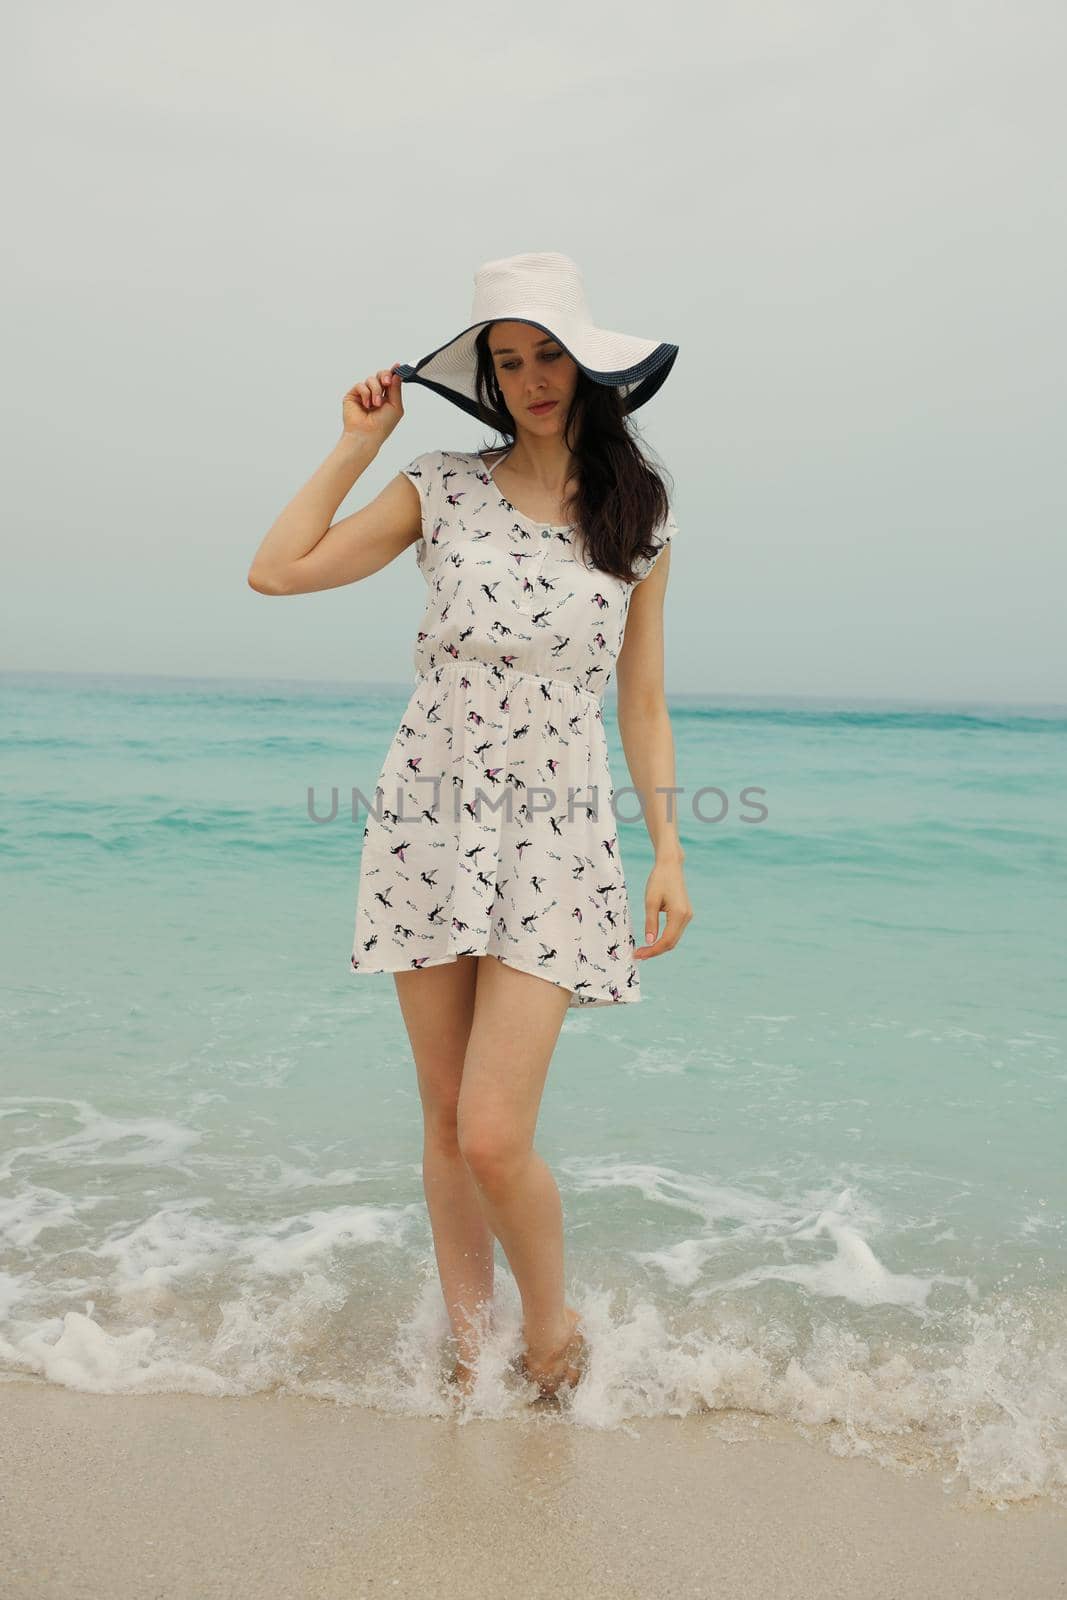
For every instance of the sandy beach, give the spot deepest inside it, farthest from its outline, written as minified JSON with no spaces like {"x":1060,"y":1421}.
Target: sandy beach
{"x":174,"y":1496}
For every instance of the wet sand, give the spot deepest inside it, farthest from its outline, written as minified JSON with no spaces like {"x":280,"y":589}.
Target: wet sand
{"x":164,"y":1496}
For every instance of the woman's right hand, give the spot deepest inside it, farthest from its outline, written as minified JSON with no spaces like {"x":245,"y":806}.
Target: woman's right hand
{"x":372,"y":409}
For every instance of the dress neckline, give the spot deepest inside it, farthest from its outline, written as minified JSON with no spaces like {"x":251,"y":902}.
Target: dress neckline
{"x":551,"y":527}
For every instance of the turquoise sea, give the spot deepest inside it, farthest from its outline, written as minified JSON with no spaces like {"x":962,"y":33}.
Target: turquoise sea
{"x":817,"y":1173}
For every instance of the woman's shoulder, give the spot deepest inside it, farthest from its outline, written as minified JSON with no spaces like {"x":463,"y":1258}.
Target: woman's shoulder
{"x":436,"y":473}
{"x":435,"y":461}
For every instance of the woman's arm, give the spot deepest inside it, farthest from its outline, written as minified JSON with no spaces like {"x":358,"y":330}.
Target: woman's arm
{"x":302,"y":551}
{"x":648,"y":744}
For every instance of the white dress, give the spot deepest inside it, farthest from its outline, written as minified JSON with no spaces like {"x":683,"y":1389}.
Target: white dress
{"x":491,"y":830}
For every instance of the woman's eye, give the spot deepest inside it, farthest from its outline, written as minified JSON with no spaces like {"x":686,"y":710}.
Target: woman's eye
{"x":550,"y":355}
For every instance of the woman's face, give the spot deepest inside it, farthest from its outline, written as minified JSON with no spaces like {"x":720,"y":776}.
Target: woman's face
{"x":532,"y":368}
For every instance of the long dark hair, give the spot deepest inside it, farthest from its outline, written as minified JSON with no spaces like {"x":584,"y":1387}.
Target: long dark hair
{"x":619,"y":498}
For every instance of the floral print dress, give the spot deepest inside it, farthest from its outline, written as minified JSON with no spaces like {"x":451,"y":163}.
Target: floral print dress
{"x":491,"y":830}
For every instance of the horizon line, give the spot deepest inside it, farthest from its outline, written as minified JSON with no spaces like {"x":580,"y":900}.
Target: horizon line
{"x":406,"y":686}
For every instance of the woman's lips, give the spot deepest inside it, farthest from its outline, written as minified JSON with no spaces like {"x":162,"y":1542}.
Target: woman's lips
{"x":545,"y":405}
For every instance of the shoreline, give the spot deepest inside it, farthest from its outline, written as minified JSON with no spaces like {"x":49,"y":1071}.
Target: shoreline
{"x":180,"y":1496}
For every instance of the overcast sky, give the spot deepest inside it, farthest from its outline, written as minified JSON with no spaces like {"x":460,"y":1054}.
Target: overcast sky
{"x":849,"y":217}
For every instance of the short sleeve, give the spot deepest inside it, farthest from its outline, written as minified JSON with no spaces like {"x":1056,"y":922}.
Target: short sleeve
{"x":425,"y":473}
{"x":661,"y":538}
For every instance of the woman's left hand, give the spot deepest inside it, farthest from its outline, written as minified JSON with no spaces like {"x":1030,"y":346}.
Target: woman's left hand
{"x":665,"y":893}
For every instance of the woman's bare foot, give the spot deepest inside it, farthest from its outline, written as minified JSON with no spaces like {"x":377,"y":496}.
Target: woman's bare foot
{"x":561,"y":1367}
{"x":462,"y":1378}
{"x":466,"y":1342}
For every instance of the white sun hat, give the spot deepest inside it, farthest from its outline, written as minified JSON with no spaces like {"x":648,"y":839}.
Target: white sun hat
{"x":545,"y":289}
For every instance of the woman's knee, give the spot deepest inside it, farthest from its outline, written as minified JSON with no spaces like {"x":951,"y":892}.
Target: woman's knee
{"x":440,"y":1128}
{"x":494,"y":1153}
{"x":439,"y":1085}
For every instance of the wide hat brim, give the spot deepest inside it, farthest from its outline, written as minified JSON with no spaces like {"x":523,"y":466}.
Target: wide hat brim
{"x":636,"y":367}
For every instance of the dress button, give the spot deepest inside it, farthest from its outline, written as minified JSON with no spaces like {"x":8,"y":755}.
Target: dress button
{"x":546,"y":534}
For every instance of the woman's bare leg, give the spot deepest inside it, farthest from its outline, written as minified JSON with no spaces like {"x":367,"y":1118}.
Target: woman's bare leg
{"x":437,"y":1004}
{"x":517,"y":1019}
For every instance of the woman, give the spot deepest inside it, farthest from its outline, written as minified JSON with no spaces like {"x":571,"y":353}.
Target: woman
{"x":498,"y":900}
